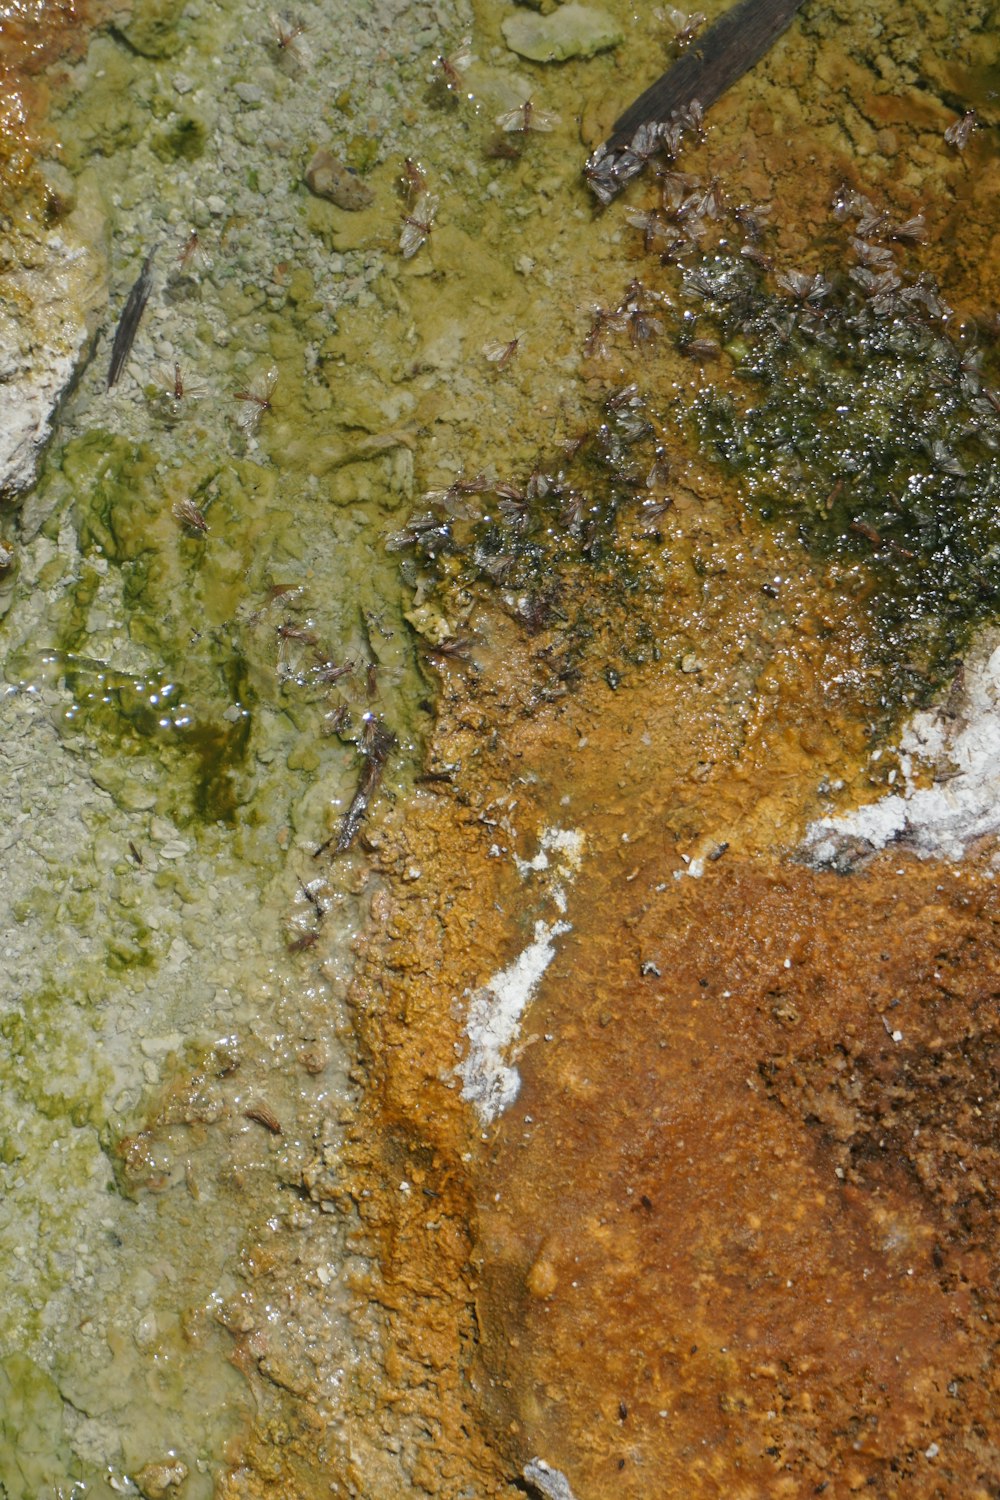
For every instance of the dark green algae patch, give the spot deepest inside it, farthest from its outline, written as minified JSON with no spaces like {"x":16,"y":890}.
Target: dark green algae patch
{"x":227,"y":627}
{"x":849,"y":410}
{"x":858,"y":421}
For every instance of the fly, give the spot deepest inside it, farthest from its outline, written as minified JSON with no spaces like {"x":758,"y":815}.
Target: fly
{"x":499,"y":353}
{"x":417,"y":225}
{"x":189,"y":517}
{"x":960,"y":130}
{"x":525,"y":117}
{"x":256,"y":399}
{"x":451,"y":68}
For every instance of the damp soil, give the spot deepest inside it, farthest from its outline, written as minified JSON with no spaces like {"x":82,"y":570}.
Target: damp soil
{"x":566,"y":1116}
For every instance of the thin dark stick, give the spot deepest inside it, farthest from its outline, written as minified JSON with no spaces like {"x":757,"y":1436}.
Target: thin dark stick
{"x":738,"y":39}
{"x":676,"y":100}
{"x":128,"y":323}
{"x":377,"y":744}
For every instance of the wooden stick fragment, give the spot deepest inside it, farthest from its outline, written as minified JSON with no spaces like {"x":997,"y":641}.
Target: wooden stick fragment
{"x":730,"y":47}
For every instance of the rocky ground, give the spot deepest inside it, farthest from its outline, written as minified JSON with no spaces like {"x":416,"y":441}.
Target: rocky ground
{"x":572,"y":1131}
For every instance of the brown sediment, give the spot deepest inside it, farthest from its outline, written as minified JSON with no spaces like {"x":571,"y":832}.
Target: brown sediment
{"x":735,"y":1234}
{"x":649,"y":767}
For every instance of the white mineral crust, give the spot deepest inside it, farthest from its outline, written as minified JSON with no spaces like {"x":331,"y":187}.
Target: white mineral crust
{"x":960,"y":743}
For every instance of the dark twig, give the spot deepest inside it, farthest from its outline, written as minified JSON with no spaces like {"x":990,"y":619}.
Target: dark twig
{"x":722,"y":54}
{"x":377,"y":744}
{"x":128,"y":323}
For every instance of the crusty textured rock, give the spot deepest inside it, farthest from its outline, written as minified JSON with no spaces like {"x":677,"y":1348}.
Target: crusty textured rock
{"x":49,"y":307}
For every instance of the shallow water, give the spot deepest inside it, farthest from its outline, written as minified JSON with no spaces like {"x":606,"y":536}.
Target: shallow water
{"x":177,"y":737}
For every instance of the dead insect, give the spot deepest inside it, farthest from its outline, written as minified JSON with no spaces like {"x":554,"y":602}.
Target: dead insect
{"x":417,"y":529}
{"x":137,"y":857}
{"x":513,"y":503}
{"x":802,"y":286}
{"x":875,"y":283}
{"x":652,"y":509}
{"x":701,"y":349}
{"x":603,"y":321}
{"x":644,"y":145}
{"x":526,"y":117}
{"x":642,"y":326}
{"x":627,"y":397}
{"x":128,"y":323}
{"x":960,"y":130}
{"x":914,"y":230}
{"x":751,"y":219}
{"x":655,"y":226}
{"x":289,"y":631}
{"x":686,"y":27}
{"x":573,"y":509}
{"x":418,"y":224}
{"x":868,"y":532}
{"x":499,"y":353}
{"x":328,"y":671}
{"x":875,"y":257}
{"x":377,"y":744}
{"x":536,"y":611}
{"x":187,"y":515}
{"x":944,"y":460}
{"x":191,"y":250}
{"x":600,"y":170}
{"x":313,"y":899}
{"x":337,"y":720}
{"x":413,"y":181}
{"x":301,"y":941}
{"x":282,"y":591}
{"x":263,"y":1115}
{"x":657,"y":476}
{"x":256,"y":400}
{"x":453,"y":499}
{"x":451,"y":68}
{"x":285,"y":34}
{"x":452,"y":648}
{"x":924,"y":290}
{"x":757,"y":257}
{"x":646,"y":142}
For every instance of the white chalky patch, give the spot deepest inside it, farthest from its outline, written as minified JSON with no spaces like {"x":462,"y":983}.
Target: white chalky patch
{"x":963,"y":803}
{"x":491,"y":1083}
{"x":565,"y":844}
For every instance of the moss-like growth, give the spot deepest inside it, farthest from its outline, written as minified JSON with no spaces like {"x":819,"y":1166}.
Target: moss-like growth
{"x":192,"y":704}
{"x":850,"y":412}
{"x":184,"y":141}
{"x":152,"y":28}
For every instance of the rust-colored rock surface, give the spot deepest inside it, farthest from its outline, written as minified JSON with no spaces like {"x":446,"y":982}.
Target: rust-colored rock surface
{"x":736,"y":1238}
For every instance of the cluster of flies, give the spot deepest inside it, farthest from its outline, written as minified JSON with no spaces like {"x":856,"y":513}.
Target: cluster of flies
{"x":420,"y":203}
{"x":506,"y":528}
{"x":511,"y":532}
{"x":609,"y":169}
{"x":915,"y":478}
